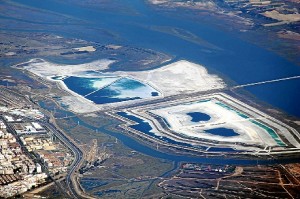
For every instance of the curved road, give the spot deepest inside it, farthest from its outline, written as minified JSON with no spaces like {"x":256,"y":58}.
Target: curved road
{"x":78,"y":157}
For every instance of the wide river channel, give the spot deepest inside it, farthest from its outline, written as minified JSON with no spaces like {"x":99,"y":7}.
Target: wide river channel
{"x":230,"y":57}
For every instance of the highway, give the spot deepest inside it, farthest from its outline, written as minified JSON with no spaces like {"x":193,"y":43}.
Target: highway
{"x":78,"y":157}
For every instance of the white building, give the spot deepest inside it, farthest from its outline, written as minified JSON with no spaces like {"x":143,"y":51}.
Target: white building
{"x":2,"y":125}
{"x":9,"y":118}
{"x":38,"y":168}
{"x":37,"y":126}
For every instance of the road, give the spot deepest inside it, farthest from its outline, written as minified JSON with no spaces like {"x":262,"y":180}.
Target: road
{"x":266,"y":82}
{"x":78,"y":157}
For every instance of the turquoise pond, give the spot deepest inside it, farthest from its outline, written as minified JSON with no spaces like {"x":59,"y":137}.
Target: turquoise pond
{"x":270,"y":131}
{"x":102,"y":90}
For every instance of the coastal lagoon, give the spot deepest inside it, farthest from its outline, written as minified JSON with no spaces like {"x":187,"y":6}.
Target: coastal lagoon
{"x":102,"y":90}
{"x":123,"y":89}
{"x":85,"y":86}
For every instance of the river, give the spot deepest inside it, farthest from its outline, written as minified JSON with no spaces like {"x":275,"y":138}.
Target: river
{"x":237,"y":60}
